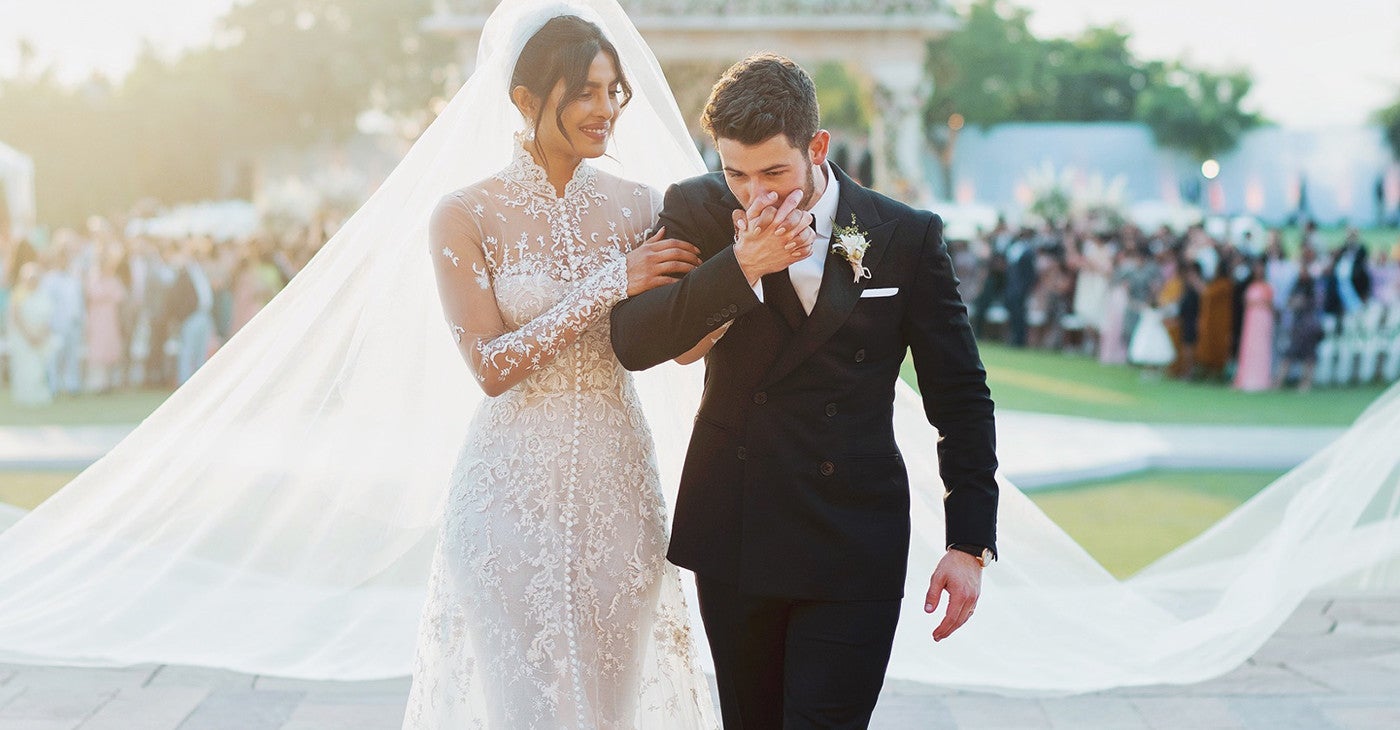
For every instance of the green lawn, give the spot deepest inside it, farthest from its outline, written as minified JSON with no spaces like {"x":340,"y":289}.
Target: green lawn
{"x":1125,"y":523}
{"x":1128,"y":522}
{"x":1376,"y":239}
{"x":1026,"y":380}
{"x":26,"y":489}
{"x":113,"y":408}
{"x":1076,"y":385}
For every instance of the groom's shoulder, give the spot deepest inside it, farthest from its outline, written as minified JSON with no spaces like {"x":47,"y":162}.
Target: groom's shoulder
{"x":912,"y":218}
{"x":710,"y":186}
{"x":887,"y":208}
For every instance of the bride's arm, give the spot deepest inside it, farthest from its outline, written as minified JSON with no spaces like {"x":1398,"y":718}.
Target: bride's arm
{"x":498,"y":356}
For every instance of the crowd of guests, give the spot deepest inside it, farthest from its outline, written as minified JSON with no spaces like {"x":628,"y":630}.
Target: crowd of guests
{"x":1183,"y":305}
{"x":98,"y":310}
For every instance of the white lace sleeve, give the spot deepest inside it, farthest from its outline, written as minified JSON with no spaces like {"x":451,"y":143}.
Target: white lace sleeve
{"x":501,"y":357}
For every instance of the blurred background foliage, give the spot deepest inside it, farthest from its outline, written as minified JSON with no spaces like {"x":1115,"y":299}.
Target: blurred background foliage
{"x":282,"y":74}
{"x":278,"y":73}
{"x":995,"y":70}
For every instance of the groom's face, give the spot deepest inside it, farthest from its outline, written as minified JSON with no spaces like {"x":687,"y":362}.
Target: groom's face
{"x":772,"y":165}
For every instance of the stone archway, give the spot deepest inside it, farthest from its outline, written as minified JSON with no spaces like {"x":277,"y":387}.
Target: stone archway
{"x":882,"y":40}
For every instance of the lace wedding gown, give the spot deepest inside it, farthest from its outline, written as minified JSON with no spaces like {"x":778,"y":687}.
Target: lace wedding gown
{"x":550,"y":602}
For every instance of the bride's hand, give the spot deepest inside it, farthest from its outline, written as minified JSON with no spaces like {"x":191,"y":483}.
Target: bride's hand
{"x":659,"y":261}
{"x":768,"y":239}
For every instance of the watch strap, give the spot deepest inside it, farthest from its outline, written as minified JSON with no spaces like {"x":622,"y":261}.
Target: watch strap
{"x":976,"y":551}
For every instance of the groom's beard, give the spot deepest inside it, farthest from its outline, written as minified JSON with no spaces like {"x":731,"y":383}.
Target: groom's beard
{"x":809,"y":188}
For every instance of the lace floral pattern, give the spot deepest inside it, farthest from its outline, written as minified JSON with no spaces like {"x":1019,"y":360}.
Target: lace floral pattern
{"x":550,"y":604}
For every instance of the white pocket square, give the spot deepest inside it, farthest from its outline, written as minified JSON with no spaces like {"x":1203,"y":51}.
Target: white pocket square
{"x":886,"y":292}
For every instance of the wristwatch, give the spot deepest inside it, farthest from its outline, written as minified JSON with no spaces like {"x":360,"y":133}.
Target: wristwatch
{"x":984,"y":555}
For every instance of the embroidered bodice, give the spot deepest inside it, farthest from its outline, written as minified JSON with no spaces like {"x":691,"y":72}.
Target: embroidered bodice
{"x":524,"y":272}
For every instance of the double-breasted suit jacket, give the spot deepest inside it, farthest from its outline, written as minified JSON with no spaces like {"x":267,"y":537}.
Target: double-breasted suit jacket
{"x":793,"y":485}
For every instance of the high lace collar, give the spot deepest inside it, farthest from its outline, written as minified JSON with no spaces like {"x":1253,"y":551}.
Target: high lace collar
{"x":530,"y":175}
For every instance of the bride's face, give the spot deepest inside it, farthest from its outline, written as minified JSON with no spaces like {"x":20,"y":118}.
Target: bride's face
{"x":587,"y":119}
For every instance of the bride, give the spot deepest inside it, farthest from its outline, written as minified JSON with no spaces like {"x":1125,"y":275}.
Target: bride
{"x":550,"y":595}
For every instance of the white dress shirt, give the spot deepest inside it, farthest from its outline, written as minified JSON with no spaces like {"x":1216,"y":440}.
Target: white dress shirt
{"x":807,"y":274}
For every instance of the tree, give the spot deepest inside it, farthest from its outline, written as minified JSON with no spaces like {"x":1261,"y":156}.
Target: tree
{"x":303,"y":70}
{"x":1198,"y":112}
{"x":983,"y":74}
{"x":1092,"y":78}
{"x":994,"y":70}
{"x":1389,"y":119}
{"x":842,"y":100}
{"x":75,"y":137}
{"x":279,"y":73}
{"x":987,"y":70}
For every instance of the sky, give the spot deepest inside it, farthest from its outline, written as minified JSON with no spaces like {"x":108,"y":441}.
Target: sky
{"x":1315,"y":64}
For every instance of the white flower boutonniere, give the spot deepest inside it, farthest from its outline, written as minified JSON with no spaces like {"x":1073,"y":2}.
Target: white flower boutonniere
{"x":851,"y":243}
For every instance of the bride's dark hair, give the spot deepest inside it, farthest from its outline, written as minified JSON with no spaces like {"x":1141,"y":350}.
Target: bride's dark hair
{"x":562,"y":50}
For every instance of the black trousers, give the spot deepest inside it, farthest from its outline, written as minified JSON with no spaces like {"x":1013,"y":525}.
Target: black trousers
{"x":784,"y":664}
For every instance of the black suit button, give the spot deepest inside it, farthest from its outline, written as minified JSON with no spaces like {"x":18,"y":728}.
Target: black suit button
{"x":743,"y":453}
{"x":711,"y":321}
{"x":732,"y":309}
{"x":860,"y":355}
{"x":830,"y":409}
{"x":760,"y":398}
{"x":827,"y":468}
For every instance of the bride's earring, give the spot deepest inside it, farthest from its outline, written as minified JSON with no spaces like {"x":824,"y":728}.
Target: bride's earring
{"x":530,"y":135}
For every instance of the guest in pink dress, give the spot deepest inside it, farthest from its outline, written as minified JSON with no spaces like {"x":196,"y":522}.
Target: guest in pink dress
{"x":1113,"y":335}
{"x":255,"y":282}
{"x":105,"y":294}
{"x":1256,"y":358}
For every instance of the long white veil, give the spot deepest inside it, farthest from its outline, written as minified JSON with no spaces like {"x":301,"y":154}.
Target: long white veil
{"x":277,"y":514}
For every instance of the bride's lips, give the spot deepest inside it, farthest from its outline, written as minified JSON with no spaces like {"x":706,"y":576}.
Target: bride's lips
{"x":597,"y":133}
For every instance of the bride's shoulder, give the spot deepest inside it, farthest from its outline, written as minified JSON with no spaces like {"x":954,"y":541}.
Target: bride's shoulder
{"x":629,"y":190}
{"x":461,"y":212}
{"x":470,"y":200}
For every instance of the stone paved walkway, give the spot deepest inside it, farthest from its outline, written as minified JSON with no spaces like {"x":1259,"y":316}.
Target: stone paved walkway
{"x":1334,"y":665}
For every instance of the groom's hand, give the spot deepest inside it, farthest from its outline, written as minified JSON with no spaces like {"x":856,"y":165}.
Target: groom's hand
{"x":960,"y":574}
{"x":768,"y":239}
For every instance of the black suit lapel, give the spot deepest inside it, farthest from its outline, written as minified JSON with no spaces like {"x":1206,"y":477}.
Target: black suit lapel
{"x":839,"y":291}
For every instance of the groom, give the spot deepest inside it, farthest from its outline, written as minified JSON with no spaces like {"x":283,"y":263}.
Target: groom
{"x":793,"y":509}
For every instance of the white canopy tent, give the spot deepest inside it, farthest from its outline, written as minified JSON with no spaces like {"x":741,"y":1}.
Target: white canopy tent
{"x":17,"y":189}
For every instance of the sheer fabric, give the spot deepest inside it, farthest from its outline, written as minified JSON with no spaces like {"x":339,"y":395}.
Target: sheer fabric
{"x":550,"y":601}
{"x":278,"y":515}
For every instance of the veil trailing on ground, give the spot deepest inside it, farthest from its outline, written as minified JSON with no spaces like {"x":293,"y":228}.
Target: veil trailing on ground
{"x":277,"y":514}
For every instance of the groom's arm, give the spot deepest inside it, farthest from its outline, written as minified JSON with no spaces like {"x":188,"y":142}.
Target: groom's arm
{"x":663,"y":323}
{"x":953,"y":385}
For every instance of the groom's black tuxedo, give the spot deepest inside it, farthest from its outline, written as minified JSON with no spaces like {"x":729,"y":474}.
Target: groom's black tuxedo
{"x":793,"y":485}
{"x":794,"y":502}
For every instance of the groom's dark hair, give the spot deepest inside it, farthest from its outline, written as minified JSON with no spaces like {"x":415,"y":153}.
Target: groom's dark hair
{"x":760,"y":96}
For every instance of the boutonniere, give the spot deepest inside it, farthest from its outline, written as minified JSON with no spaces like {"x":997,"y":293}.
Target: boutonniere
{"x":851,"y":243}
